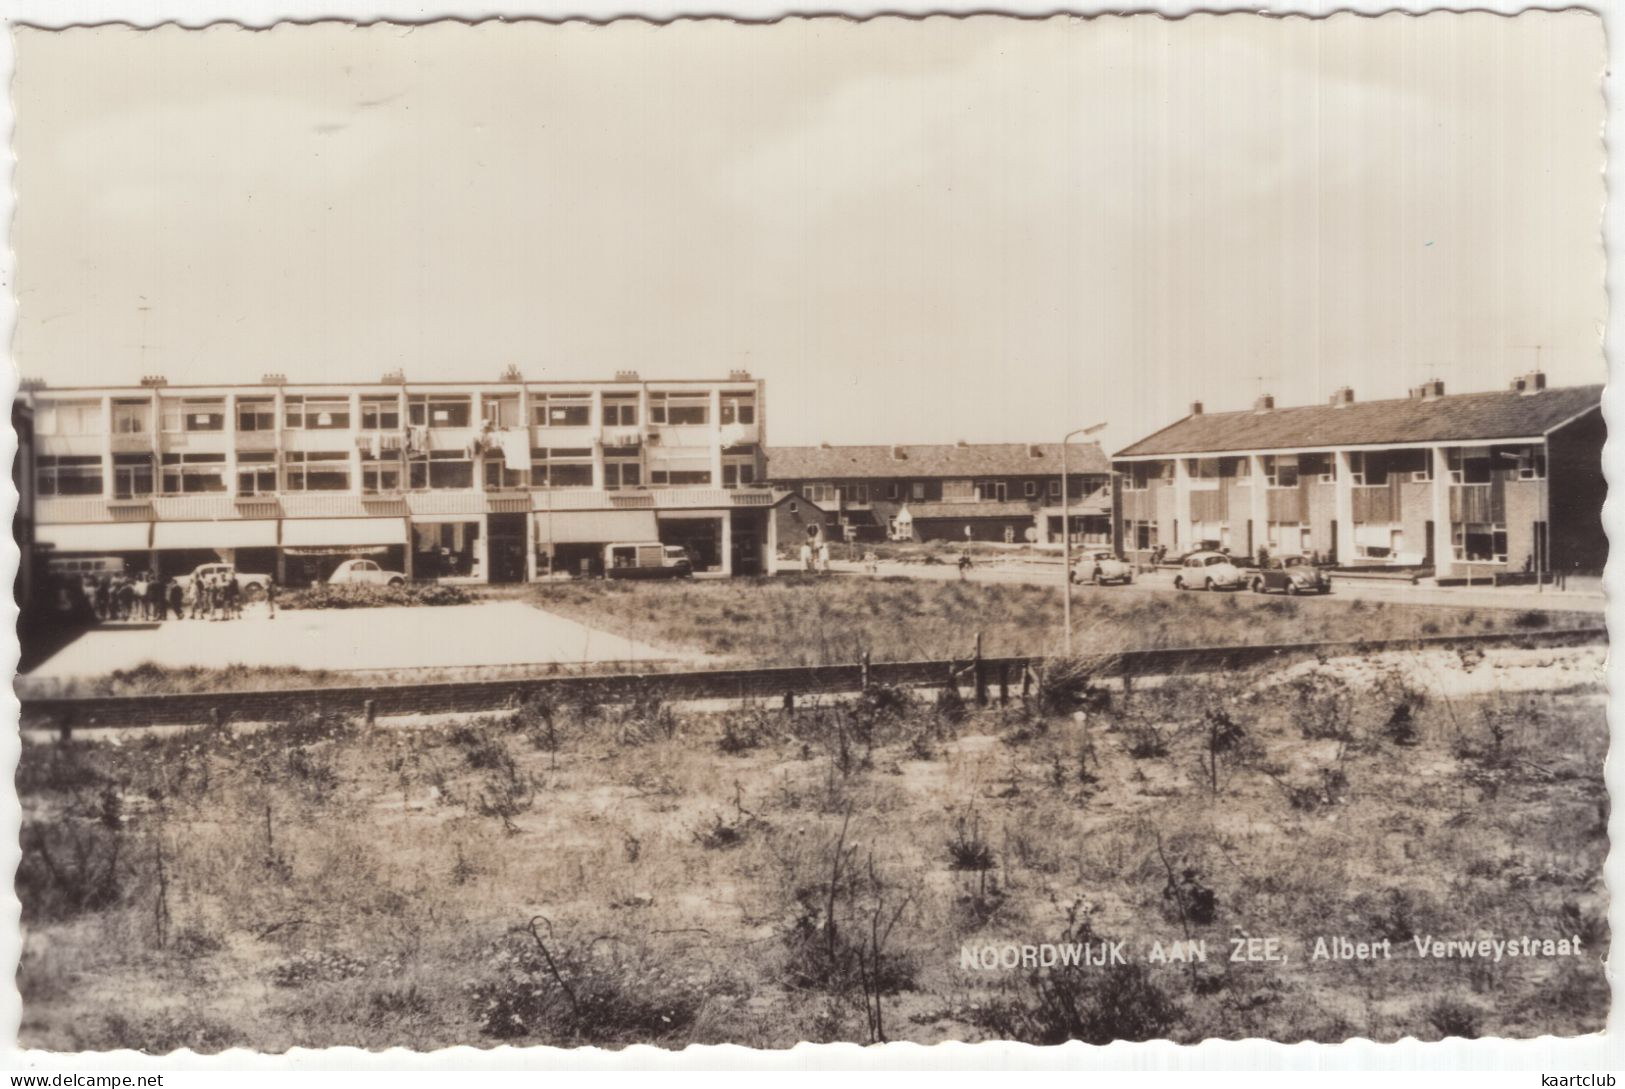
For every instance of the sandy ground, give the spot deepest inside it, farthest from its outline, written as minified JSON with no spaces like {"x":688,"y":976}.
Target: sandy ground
{"x":493,"y":633}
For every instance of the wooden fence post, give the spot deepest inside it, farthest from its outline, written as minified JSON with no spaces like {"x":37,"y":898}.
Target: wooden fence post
{"x":789,"y":703}
{"x":979,"y":674}
{"x":369,"y":711}
{"x":864,"y":663}
{"x":1004,"y":684}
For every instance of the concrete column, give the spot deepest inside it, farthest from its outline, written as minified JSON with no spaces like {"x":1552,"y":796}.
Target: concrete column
{"x":530,"y":546}
{"x":355,"y":450}
{"x":727,"y":546}
{"x":1443,"y":548}
{"x":1343,"y":506}
{"x":106,"y":437}
{"x":476,"y":409}
{"x":716,"y":438}
{"x":231,"y":445}
{"x":645,"y":427}
{"x":280,"y":407}
{"x":524,"y":422}
{"x":597,"y":412}
{"x":483,"y":548}
{"x":1258,"y":502}
{"x":1184,"y":530}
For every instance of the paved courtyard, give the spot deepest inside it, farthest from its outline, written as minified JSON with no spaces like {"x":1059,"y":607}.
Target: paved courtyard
{"x":489,"y":634}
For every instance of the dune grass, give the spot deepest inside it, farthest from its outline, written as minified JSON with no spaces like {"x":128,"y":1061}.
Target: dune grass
{"x":581,"y":874}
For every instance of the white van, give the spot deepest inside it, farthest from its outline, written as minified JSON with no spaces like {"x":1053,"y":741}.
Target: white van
{"x":647,"y":560}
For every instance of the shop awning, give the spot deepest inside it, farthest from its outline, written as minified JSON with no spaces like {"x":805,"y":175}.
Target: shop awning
{"x":242,"y":533}
{"x":596,"y":526}
{"x":103,"y":537}
{"x":343,"y":531}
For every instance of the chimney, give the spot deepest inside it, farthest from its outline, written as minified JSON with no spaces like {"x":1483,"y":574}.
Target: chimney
{"x":154,"y":380}
{"x":739,"y":376}
{"x":1265,"y":402}
{"x":962,"y":444}
{"x":1033,"y":451}
{"x":273,"y":379}
{"x":29,"y":384}
{"x":897,"y":454}
{"x":1533,"y":382}
{"x":1196,"y":408}
{"x":394,"y":378}
{"x":512,"y":374}
{"x":1431,"y":390}
{"x":626,"y":376}
{"x":1342,"y":396}
{"x":823,"y":446}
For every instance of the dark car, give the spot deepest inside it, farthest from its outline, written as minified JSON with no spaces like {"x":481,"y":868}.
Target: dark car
{"x":1293,"y":574}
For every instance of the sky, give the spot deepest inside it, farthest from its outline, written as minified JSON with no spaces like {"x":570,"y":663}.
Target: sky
{"x":981,"y":229}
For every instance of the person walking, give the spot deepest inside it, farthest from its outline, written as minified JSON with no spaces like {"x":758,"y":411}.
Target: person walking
{"x":234,"y":600}
{"x":823,"y":557}
{"x":270,"y":595}
{"x":806,"y":556}
{"x":964,"y":564}
{"x":177,"y":599}
{"x":157,"y":600}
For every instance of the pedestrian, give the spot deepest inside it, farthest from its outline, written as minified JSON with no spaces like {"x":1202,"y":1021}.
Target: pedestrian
{"x":156,"y":600}
{"x":234,"y":600}
{"x":177,"y":599}
{"x":871,"y":562}
{"x":270,"y":595}
{"x":139,"y":591}
{"x":104,"y":598}
{"x":823,"y":557}
{"x":964,"y":564}
{"x":806,"y":556}
{"x":123,"y":599}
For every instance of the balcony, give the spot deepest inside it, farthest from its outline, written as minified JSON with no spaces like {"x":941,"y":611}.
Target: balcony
{"x":255,"y":441}
{"x":136,"y":442}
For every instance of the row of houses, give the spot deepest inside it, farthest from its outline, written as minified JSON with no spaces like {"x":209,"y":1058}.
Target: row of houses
{"x":517,"y":480}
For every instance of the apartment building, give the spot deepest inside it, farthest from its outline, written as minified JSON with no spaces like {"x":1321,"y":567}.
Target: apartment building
{"x":487,"y":482}
{"x":956,"y":491}
{"x":1466,"y":484}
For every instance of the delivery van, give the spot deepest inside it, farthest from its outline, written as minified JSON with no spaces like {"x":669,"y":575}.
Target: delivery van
{"x":647,"y":560}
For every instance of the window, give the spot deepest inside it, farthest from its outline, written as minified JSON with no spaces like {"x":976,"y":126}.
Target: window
{"x":1137,"y":479}
{"x":620,"y":411}
{"x":1531,"y":463}
{"x":1029,"y":489}
{"x":498,"y":477}
{"x":1479,"y":542}
{"x":185,"y":474}
{"x":68,"y":475}
{"x":1322,"y":467}
{"x":795,"y":508}
{"x":821,"y":493}
{"x":680,"y":409}
{"x":738,"y":408}
{"x":449,"y":470}
{"x":736,"y":473}
{"x":440,"y":410}
{"x":380,"y":476}
{"x":958,"y":490}
{"x":1281,"y":470}
{"x":500,"y":411}
{"x":853,"y":493}
{"x":561,"y":467}
{"x":1054,"y":489}
{"x":891,"y":490}
{"x":194,"y":414}
{"x":1203,"y":472}
{"x":916,"y":490}
{"x":380,"y":413}
{"x":132,"y":475}
{"x":1469,"y":465}
{"x":1423,"y":473}
{"x":256,"y":473}
{"x":316,"y":413}
{"x":258,"y":414}
{"x":132,"y":417}
{"x":561,"y":410}
{"x":317,"y":471}
{"x":69,"y":418}
{"x":622,"y":474}
{"x":680,"y":477}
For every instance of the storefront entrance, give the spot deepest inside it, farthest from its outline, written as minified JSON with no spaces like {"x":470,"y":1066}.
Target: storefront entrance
{"x":507,"y":546}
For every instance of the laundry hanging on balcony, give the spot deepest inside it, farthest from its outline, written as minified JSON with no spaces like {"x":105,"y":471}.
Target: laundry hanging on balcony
{"x":515,"y":443}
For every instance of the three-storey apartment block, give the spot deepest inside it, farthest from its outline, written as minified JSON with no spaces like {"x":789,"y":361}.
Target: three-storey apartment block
{"x":1469,"y":485}
{"x":490,"y":482}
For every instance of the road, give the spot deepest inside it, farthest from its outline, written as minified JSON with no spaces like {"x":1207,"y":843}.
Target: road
{"x":1465,"y":597}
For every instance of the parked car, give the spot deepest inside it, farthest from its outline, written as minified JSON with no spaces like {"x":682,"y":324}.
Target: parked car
{"x":648,"y":560}
{"x":252,"y":587}
{"x":366,"y":573}
{"x":1102,"y":566}
{"x":1207,"y":571}
{"x":1293,"y":574}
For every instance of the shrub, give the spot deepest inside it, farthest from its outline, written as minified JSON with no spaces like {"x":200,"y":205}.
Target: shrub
{"x":1068,"y":684}
{"x":581,"y":993}
{"x":967,"y":850}
{"x":1531,"y":618}
{"x":326,"y":595}
{"x":68,"y":869}
{"x":1452,"y":1017}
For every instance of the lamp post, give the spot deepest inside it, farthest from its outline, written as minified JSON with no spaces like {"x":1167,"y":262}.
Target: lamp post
{"x":1066,"y":533}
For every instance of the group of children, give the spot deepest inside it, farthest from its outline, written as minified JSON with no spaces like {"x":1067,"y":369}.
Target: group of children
{"x":144,"y":596}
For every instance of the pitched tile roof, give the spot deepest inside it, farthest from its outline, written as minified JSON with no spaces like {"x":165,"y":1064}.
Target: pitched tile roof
{"x":1465,"y":417}
{"x":1009,"y":508}
{"x":937,"y":460}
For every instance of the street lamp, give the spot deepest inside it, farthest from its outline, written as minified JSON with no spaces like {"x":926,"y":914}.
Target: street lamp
{"x":1066,"y":533}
